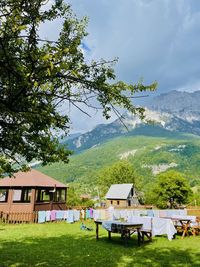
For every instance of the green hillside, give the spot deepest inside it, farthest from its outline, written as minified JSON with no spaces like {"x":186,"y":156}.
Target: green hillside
{"x":144,"y":152}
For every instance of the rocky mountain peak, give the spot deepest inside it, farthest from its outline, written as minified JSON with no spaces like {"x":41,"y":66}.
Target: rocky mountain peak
{"x":177,"y":101}
{"x":171,"y":112}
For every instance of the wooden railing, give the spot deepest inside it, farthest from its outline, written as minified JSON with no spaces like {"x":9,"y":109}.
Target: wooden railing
{"x":19,"y":217}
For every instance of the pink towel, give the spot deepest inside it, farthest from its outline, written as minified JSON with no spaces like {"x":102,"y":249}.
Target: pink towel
{"x":53,"y":215}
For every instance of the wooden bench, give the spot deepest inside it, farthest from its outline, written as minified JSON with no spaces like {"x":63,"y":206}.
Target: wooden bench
{"x":196,"y":228}
{"x":147,"y":233}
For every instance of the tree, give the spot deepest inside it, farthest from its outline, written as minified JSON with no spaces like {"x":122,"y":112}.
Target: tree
{"x":37,"y":76}
{"x":74,"y":198}
{"x":119,"y":173}
{"x":171,"y":189}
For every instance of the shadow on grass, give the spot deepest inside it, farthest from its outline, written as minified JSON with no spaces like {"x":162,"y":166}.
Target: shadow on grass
{"x":69,"y":250}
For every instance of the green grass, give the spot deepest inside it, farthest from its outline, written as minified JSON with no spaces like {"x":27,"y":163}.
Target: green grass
{"x":62,"y":244}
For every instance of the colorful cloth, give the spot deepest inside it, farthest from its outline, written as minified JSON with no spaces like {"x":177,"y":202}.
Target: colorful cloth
{"x":59,"y":215}
{"x":65,"y":215}
{"x":76,"y":215}
{"x":70,"y":216}
{"x":53,"y":215}
{"x":87,"y":214}
{"x":41,"y":216}
{"x":48,"y":215}
{"x":91,"y":213}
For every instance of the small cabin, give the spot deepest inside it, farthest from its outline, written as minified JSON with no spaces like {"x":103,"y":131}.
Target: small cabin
{"x":122,"y":196}
{"x":31,"y":191}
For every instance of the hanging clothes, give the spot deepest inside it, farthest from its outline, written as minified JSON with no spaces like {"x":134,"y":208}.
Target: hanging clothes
{"x":59,"y":215}
{"x":87,"y":214}
{"x":41,"y":216}
{"x":76,"y":215}
{"x":48,"y":215}
{"x":65,"y":215}
{"x":70,"y":216}
{"x":91,"y":213}
{"x":53,"y":215}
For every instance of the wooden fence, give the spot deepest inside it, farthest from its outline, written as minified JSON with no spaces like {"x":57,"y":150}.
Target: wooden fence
{"x":16,"y":217}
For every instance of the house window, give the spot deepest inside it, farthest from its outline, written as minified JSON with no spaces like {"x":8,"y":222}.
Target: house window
{"x":44,"y":195}
{"x":3,"y":195}
{"x":117,"y":202}
{"x":22,"y":195}
{"x":60,"y":195}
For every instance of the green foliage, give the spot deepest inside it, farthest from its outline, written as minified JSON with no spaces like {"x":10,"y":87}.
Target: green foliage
{"x":121,"y":172}
{"x":83,"y":169}
{"x":171,"y":188}
{"x":37,"y":76}
{"x":73,"y":198}
{"x":195,"y":197}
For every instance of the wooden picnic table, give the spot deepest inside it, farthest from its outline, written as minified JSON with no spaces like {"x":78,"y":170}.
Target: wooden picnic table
{"x":123,"y":228}
{"x":185,"y":225}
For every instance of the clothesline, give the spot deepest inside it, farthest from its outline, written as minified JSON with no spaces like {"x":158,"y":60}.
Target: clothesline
{"x":69,"y":216}
{"x":124,"y":214}
{"x":74,"y":215}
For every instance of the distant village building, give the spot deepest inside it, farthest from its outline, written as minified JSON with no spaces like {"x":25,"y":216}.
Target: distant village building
{"x":31,"y":191}
{"x":121,"y":195}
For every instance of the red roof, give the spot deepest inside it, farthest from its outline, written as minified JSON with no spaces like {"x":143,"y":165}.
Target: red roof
{"x":31,"y":178}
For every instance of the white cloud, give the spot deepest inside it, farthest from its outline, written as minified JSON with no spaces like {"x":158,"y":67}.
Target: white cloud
{"x":153,"y":39}
{"x":157,"y":40}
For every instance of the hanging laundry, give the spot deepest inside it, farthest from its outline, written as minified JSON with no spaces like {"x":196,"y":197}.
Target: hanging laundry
{"x":87,"y":214}
{"x":41,"y":216}
{"x":91,"y":213}
{"x":70,"y":216}
{"x":76,"y":215}
{"x":65,"y":215}
{"x":59,"y":215}
{"x":48,"y":215}
{"x":53,"y":215}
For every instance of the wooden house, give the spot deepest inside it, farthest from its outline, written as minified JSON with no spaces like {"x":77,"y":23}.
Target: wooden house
{"x":122,"y":196}
{"x":31,"y":191}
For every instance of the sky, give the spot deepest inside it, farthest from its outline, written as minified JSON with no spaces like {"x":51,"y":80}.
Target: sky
{"x":157,"y":40}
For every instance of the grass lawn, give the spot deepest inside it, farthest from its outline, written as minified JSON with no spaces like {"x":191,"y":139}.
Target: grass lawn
{"x":62,"y":244}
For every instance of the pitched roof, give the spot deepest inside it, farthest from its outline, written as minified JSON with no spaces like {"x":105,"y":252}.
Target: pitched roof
{"x":32,"y":178}
{"x":119,"y":191}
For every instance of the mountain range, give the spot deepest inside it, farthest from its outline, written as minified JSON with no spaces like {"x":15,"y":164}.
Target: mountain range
{"x":167,"y":114}
{"x":168,"y":138}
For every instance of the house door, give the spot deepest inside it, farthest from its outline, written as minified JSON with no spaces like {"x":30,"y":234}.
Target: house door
{"x":129,"y":203}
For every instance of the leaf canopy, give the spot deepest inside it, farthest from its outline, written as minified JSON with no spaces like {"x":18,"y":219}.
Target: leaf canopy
{"x":37,"y":76}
